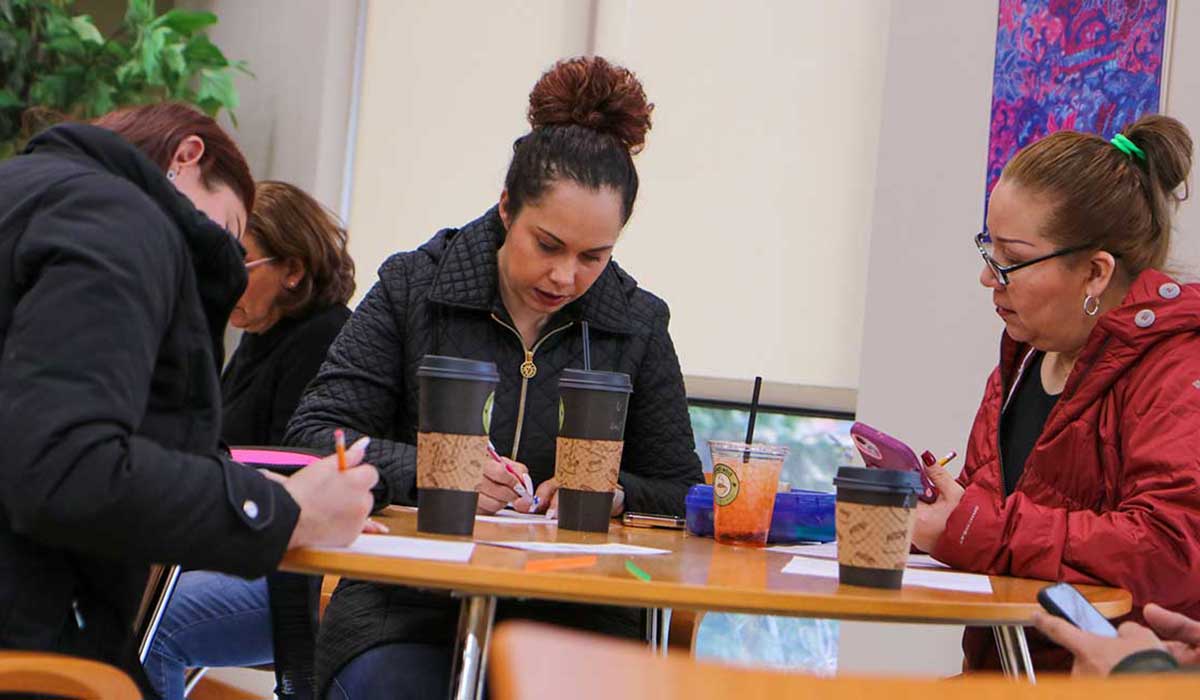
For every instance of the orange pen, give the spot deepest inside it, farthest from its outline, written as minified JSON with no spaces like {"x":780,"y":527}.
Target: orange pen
{"x":339,"y":441}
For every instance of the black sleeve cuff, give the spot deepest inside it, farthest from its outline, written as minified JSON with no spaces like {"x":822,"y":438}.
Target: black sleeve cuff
{"x":1147,"y":661}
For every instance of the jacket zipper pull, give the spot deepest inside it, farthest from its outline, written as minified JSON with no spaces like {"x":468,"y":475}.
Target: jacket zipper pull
{"x":78,"y":615}
{"x":528,"y":369}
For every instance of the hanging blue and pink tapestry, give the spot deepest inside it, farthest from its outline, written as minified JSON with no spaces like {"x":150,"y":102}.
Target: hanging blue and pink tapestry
{"x":1086,"y":65}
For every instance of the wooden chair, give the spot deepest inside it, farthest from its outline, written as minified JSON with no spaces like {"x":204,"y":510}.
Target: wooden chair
{"x":29,"y":672}
{"x":531,"y":661}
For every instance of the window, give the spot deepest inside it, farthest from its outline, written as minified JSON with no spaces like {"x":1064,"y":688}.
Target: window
{"x":819,"y":444}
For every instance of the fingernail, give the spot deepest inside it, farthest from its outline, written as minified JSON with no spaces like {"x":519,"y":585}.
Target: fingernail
{"x":361,"y":443}
{"x":550,"y":514}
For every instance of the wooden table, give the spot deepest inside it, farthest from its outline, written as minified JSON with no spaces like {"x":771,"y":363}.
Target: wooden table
{"x":698,"y":575}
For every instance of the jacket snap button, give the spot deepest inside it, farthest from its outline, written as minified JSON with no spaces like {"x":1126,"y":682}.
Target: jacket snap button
{"x":250,"y":508}
{"x":1144,"y":318}
{"x":1170,"y":290}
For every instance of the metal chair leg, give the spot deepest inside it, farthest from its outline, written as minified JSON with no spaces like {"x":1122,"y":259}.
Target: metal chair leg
{"x":1014,"y":652}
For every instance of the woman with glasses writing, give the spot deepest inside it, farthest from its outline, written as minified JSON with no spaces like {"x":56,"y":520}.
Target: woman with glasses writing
{"x":1084,"y":461}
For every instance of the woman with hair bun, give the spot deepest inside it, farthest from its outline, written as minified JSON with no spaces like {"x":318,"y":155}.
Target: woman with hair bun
{"x":512,"y":287}
{"x":1084,"y":461}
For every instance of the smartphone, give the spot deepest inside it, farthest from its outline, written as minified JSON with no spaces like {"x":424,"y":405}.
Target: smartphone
{"x":1063,"y":600}
{"x":882,"y":451}
{"x":650,"y":520}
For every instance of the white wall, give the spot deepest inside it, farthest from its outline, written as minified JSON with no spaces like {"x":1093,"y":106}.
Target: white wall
{"x":929,"y":337}
{"x":292,"y":123}
{"x":1183,"y":103}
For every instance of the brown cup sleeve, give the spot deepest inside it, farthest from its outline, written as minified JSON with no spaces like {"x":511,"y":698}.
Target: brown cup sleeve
{"x":874,"y":537}
{"x":448,"y":461}
{"x":588,"y":465}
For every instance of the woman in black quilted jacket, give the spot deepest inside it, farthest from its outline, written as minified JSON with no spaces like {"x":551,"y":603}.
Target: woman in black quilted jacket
{"x":511,"y":287}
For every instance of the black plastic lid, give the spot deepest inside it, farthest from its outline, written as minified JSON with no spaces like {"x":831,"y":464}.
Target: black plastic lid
{"x":878,"y":479}
{"x":443,"y":367}
{"x":595,"y":380}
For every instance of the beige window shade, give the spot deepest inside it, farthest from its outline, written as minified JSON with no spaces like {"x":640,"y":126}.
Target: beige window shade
{"x":757,"y":178}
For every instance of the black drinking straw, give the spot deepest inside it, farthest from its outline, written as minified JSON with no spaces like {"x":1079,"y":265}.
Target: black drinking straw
{"x":587,"y":347}
{"x":753,"y":416}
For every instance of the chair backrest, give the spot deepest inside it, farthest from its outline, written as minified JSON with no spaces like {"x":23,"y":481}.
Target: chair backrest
{"x":30,"y":673}
{"x":530,"y":660}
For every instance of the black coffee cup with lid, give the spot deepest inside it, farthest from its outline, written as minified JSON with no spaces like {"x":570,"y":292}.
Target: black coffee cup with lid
{"x":454,"y":416}
{"x":592,"y":411}
{"x":876,"y":514}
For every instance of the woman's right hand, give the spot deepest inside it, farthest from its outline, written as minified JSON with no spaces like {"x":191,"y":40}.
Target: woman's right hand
{"x":498,"y":487}
{"x":334,"y":505}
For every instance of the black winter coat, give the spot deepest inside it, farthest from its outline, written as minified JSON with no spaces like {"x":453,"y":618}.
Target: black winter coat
{"x":264,"y":380}
{"x":443,"y":299}
{"x":114,"y":291}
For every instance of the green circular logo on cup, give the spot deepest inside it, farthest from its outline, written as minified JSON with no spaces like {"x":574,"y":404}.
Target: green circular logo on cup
{"x":725,"y":484}
{"x":488,"y":405}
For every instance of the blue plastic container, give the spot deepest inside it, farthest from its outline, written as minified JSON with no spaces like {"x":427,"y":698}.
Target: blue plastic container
{"x":800,"y":516}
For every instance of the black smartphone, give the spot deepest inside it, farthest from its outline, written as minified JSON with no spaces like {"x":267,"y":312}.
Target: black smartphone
{"x":1063,"y":600}
{"x":650,"y":520}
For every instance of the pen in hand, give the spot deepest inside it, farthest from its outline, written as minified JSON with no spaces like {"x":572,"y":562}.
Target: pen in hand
{"x":524,"y":485}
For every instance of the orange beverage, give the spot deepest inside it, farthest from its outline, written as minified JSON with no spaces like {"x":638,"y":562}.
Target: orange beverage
{"x":745,"y":480}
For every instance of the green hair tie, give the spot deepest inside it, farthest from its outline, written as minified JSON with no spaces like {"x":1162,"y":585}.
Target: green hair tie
{"x":1129,"y":148}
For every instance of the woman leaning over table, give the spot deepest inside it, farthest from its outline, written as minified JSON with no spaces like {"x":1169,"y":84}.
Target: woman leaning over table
{"x":118,"y":242}
{"x":300,"y":278}
{"x":511,"y":287}
{"x":1084,"y":461}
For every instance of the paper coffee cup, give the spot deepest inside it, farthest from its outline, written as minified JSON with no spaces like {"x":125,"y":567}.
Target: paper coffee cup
{"x":876,"y":514}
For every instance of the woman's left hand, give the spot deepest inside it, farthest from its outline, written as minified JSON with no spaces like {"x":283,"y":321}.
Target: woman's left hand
{"x":932,"y":517}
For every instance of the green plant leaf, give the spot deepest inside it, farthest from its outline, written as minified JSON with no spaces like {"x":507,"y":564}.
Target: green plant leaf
{"x":217,"y":85}
{"x":98,"y":99}
{"x":8,"y":100}
{"x":67,"y":45}
{"x":202,"y":52}
{"x":129,"y":73}
{"x":153,"y":42}
{"x":50,"y":91}
{"x":86,"y":31}
{"x":139,"y":12}
{"x":186,"y":22}
{"x":8,"y":148}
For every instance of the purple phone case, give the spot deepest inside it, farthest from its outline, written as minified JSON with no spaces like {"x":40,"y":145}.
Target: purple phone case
{"x":882,"y":451}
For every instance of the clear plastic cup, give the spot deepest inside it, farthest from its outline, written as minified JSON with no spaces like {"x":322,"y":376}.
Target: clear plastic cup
{"x":745,"y":480}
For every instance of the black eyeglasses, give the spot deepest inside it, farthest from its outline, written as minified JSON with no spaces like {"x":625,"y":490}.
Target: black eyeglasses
{"x":984,"y":243}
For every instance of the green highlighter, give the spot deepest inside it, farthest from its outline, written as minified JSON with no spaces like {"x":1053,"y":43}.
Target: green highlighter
{"x":636,"y":570}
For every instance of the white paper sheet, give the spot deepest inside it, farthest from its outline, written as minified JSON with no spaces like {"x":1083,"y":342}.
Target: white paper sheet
{"x":828,"y":550}
{"x":944,"y":580}
{"x":510,"y":516}
{"x":572,"y":548}
{"x":408,"y":548}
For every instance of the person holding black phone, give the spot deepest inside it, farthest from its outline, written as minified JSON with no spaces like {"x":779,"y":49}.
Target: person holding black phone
{"x":1170,"y":642}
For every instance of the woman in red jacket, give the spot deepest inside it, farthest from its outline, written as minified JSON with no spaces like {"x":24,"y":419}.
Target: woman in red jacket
{"x":1084,"y":461}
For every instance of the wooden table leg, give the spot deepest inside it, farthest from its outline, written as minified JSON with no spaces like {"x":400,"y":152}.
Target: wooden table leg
{"x":471,"y":647}
{"x":1014,"y":652}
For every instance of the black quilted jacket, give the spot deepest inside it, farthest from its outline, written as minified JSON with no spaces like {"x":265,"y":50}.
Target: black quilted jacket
{"x":443,"y":299}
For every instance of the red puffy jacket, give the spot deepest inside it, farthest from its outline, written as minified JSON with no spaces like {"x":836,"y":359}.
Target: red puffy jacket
{"x":1110,"y":493}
